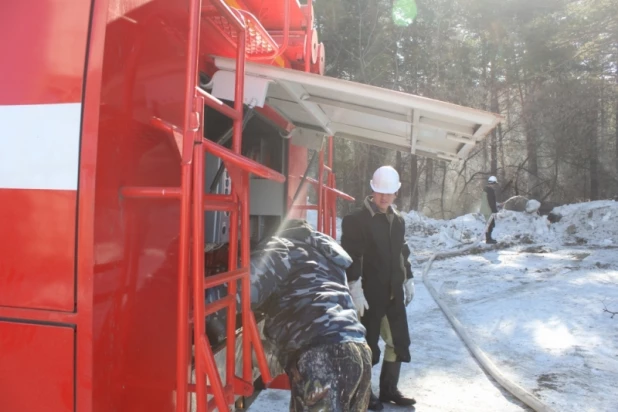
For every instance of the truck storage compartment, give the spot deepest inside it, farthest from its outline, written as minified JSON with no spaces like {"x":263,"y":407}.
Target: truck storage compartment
{"x":36,"y":368}
{"x":38,"y":249}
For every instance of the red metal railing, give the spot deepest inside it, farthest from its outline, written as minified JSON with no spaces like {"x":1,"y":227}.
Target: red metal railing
{"x":260,"y":45}
{"x":327,"y":195}
{"x":238,"y":168}
{"x":193,"y":204}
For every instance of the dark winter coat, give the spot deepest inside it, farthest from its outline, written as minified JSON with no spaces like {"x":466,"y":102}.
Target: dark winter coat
{"x":376,"y":243}
{"x":488,"y":202}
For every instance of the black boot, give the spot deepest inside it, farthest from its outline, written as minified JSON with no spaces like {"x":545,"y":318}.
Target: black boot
{"x":489,"y":240}
{"x":374,"y":403}
{"x":389,"y":378}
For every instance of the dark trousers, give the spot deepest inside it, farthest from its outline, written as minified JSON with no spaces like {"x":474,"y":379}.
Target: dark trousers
{"x":331,"y":378}
{"x":490,"y":227}
{"x":397,"y":337}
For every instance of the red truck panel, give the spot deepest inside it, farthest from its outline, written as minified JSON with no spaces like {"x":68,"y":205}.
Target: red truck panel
{"x":38,"y":247}
{"x":36,"y":368}
{"x":47,"y":49}
{"x":40,"y":113}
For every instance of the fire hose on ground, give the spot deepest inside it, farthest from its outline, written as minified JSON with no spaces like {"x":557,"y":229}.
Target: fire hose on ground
{"x":486,"y":363}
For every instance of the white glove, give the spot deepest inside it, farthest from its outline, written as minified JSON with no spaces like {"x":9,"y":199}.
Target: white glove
{"x":358,"y":297}
{"x":408,"y":289}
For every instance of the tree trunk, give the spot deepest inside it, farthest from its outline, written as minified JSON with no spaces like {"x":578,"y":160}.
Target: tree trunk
{"x":495,"y":109}
{"x":398,"y":167}
{"x":593,"y":148}
{"x":616,"y":120}
{"x":444,"y":169}
{"x":414,"y":180}
{"x":428,"y":175}
{"x":364,"y":173}
{"x":531,"y":150}
{"x":376,"y":159}
{"x":484,"y":64}
{"x":616,"y":131}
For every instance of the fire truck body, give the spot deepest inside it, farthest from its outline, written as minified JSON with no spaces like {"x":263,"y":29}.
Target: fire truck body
{"x":94,"y":98}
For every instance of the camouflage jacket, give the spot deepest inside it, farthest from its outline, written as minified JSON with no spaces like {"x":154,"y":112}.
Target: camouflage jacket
{"x":298,"y":280}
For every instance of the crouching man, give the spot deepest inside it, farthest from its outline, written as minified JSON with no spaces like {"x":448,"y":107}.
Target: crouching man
{"x":298,"y":281}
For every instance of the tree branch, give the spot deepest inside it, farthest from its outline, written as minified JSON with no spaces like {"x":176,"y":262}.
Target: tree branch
{"x":609,"y":311}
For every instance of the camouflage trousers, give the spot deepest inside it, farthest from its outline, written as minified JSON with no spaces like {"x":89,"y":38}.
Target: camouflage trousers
{"x":331,"y":378}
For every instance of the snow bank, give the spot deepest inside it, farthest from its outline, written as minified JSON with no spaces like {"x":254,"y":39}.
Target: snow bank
{"x":426,"y":235}
{"x":591,"y":223}
{"x":440,"y":235}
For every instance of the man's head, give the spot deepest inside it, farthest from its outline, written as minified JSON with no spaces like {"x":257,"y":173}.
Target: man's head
{"x":492,"y":180}
{"x":385,"y":185}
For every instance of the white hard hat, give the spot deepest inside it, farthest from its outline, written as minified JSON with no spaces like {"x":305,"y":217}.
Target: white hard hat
{"x":385,"y":180}
{"x":492,"y":179}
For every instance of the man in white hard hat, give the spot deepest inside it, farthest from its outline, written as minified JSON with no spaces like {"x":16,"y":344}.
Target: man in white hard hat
{"x":489,"y":208}
{"x":381,"y":280}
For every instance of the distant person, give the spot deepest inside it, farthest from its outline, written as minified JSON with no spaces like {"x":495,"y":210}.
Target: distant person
{"x":298,"y":281}
{"x":489,"y":208}
{"x":381,"y":280}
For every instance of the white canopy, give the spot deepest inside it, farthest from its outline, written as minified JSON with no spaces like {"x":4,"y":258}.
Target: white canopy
{"x":381,"y":117}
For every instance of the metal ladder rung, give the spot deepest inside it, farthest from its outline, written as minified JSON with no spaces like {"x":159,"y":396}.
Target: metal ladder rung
{"x":218,"y":305}
{"x":221,"y":278}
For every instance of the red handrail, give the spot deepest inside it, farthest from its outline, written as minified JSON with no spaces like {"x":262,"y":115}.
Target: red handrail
{"x":182,"y":337}
{"x":332,"y":184}
{"x":214,"y":103}
{"x":151,"y":192}
{"x":320,"y":191}
{"x":182,"y":355}
{"x":222,"y":278}
{"x":337,"y":192}
{"x":218,"y":305}
{"x":327,"y":194}
{"x":236,"y":160}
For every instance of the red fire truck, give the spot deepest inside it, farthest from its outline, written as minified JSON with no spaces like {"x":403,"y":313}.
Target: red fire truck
{"x":132,"y":134}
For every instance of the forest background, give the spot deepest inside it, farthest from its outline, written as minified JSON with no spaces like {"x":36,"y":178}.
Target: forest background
{"x":548,"y":66}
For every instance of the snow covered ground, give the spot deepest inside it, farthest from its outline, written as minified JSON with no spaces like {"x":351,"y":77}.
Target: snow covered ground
{"x":442,"y":375}
{"x":535,"y":304}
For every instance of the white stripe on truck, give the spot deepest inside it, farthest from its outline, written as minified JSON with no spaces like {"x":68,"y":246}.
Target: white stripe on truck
{"x":39,"y":146}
